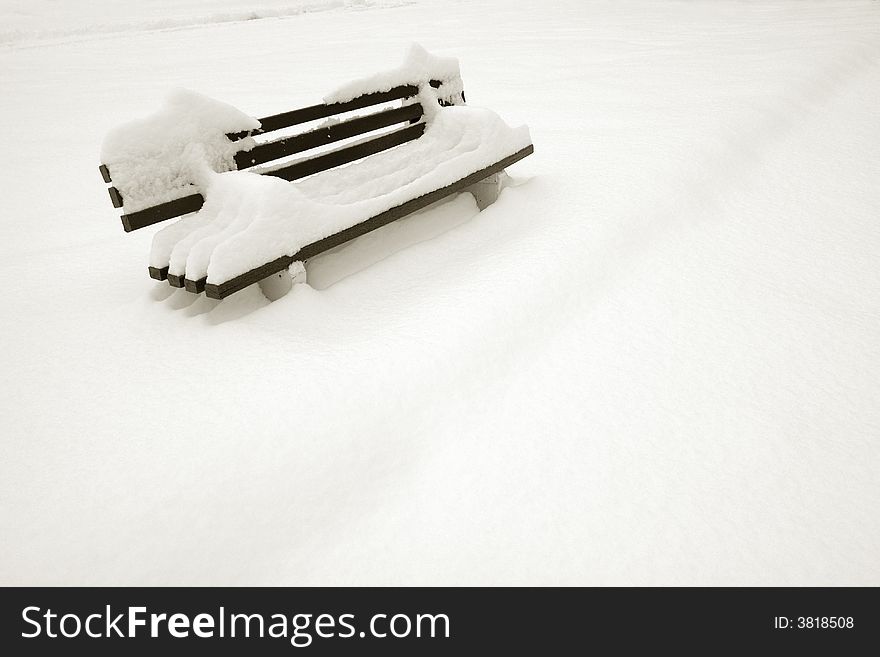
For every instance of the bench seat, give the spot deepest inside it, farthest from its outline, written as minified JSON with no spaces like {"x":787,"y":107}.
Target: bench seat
{"x":235,"y":240}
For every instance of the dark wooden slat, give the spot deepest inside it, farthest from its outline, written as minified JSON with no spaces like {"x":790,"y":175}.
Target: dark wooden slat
{"x":158,"y":273}
{"x":223,"y":290}
{"x":322,"y":111}
{"x":115,"y":197}
{"x":195,"y":286}
{"x":105,"y":173}
{"x":194,"y":202}
{"x":233,"y":285}
{"x":348,"y":154}
{"x":175,"y":281}
{"x":161,"y":212}
{"x":279,"y":148}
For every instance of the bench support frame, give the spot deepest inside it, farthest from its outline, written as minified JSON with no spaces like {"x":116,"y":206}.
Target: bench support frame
{"x":277,"y":285}
{"x":487,"y":190}
{"x":233,"y":285}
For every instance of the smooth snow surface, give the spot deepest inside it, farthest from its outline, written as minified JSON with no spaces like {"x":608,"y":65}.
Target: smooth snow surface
{"x":42,"y":21}
{"x":654,"y":360}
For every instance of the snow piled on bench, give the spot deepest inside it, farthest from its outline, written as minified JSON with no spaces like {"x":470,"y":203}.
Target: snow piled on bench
{"x":249,"y":219}
{"x":164,"y":156}
{"x":419,"y":68}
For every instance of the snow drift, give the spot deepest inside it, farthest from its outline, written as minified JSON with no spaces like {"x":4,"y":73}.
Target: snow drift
{"x":653,"y":361}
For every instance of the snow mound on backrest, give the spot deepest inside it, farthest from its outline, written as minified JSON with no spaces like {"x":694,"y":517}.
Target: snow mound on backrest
{"x":419,"y":68}
{"x":165,"y":156}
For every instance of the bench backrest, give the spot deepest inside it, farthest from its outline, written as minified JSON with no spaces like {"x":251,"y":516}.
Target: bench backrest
{"x":268,"y":151}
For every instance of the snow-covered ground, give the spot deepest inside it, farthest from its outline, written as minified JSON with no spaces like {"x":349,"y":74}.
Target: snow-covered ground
{"x":44,"y":21}
{"x":655,"y":360}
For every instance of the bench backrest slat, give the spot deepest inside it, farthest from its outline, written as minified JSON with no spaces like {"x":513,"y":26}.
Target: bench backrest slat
{"x":274,"y":150}
{"x":322,"y":111}
{"x":348,"y":154}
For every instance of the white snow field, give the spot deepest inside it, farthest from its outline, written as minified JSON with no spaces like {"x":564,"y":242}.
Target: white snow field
{"x":654,"y":360}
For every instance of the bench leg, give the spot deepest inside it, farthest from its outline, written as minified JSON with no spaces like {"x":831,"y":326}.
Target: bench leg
{"x":277,"y":285}
{"x":486,"y":191}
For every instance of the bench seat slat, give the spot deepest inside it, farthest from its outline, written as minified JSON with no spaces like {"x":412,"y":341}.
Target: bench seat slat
{"x":158,"y":273}
{"x":175,"y":281}
{"x":196,"y":287}
{"x":274,"y":150}
{"x":223,"y":290}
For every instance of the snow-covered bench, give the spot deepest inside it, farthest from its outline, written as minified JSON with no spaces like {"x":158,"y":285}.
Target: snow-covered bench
{"x":197,"y":157}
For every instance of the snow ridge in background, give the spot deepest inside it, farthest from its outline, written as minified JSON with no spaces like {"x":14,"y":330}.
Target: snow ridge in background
{"x":153,"y":15}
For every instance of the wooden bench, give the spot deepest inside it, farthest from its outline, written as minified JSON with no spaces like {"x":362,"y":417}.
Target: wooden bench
{"x":409,"y":119}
